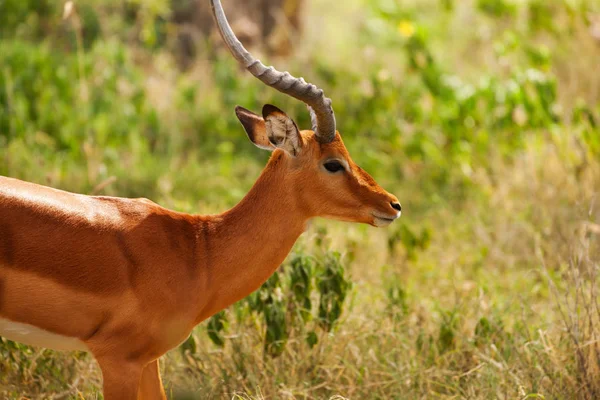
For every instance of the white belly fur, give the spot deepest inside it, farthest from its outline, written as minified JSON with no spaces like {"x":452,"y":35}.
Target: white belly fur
{"x":34,"y":336}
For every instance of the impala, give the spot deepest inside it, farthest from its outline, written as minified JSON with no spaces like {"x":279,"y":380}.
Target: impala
{"x":128,"y":280}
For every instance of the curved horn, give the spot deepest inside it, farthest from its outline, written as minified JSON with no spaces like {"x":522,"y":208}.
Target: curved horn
{"x":320,"y":106}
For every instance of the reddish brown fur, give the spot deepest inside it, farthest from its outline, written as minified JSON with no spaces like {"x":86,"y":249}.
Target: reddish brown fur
{"x":131,"y":279}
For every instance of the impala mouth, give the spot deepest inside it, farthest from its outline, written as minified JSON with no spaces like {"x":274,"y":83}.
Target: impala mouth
{"x":380,"y":220}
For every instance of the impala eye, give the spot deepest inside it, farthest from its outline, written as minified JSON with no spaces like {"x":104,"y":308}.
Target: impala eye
{"x":333,"y":166}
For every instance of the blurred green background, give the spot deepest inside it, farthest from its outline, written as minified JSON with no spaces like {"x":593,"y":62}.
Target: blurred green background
{"x":480,"y":115}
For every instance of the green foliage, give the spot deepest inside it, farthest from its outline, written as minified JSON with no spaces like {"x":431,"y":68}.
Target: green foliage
{"x":216,"y":325}
{"x":496,"y":8}
{"x":447,"y":334}
{"x":24,"y":17}
{"x":270,"y":303}
{"x":397,"y":298}
{"x":541,"y":15}
{"x":28,"y":363}
{"x":333,"y":287}
{"x":284,"y":302}
{"x":587,"y":123}
{"x":301,"y":274}
{"x":489,"y":331}
{"x":412,"y":242}
{"x":111,"y":107}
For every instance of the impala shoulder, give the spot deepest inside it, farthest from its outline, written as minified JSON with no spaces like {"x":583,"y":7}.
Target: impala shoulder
{"x":133,"y":212}
{"x":146,"y":201}
{"x":124,"y":206}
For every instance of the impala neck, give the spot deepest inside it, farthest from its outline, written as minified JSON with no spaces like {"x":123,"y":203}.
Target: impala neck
{"x":246,"y":244}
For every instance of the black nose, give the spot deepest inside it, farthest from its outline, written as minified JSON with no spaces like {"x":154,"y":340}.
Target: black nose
{"x":396,"y":206}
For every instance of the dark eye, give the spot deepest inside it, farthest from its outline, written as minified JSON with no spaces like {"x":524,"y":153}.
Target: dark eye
{"x":333,"y":166}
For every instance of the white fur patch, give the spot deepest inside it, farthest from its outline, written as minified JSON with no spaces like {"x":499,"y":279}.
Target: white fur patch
{"x":34,"y":336}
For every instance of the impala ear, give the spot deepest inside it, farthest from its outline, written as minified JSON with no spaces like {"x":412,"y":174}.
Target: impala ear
{"x":274,"y":130}
{"x":255,"y":128}
{"x":282,"y":130}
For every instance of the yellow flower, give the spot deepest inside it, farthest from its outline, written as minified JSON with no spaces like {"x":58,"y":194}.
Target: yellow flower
{"x":406,"y":28}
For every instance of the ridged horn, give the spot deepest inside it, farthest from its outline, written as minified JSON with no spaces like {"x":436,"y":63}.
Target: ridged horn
{"x":322,"y":116}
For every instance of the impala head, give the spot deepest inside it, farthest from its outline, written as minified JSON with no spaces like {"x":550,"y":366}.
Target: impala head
{"x":315,"y":163}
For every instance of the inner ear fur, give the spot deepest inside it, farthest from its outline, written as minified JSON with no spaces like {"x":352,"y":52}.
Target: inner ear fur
{"x":282,"y":131}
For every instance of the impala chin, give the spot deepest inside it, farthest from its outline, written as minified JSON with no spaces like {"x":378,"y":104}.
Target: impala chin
{"x":381,"y":220}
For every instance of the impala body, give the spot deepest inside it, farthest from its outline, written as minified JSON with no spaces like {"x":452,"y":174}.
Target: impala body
{"x":127,"y":279}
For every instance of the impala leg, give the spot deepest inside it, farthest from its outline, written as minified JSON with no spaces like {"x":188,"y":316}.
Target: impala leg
{"x":121,"y":379}
{"x":151,"y":387}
